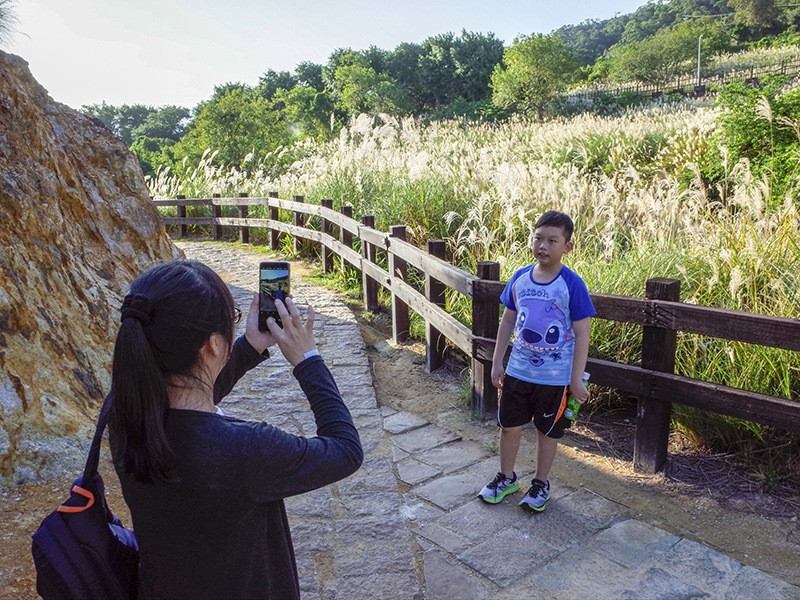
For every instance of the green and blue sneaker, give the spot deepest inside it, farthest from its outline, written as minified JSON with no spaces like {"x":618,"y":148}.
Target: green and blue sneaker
{"x":497,"y":489}
{"x":537,"y":495}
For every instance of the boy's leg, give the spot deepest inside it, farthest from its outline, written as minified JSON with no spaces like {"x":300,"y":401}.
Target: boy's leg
{"x":550,"y":425}
{"x":545,"y":455}
{"x":505,"y":482}
{"x":510,"y":438}
{"x":513,"y":412}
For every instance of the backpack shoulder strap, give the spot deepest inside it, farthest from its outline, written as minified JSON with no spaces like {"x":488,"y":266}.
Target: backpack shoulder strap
{"x":94,"y":452}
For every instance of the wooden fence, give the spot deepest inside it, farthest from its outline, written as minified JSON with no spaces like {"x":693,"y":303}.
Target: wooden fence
{"x":660,"y":314}
{"x":687,"y":85}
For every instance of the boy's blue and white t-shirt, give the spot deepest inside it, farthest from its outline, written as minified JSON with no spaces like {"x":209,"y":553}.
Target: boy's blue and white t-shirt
{"x":544,"y":341}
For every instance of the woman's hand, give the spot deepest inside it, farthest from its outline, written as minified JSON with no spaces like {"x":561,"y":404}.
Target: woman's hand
{"x":260,"y":340}
{"x":295,"y":338}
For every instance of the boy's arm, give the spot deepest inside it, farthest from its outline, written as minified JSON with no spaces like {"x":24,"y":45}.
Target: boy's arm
{"x":504,"y":332}
{"x":582,"y":329}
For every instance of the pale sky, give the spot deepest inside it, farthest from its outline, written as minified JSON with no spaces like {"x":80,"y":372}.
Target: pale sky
{"x":160,"y":52}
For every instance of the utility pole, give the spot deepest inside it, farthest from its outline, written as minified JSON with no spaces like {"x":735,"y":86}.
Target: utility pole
{"x":700,"y":39}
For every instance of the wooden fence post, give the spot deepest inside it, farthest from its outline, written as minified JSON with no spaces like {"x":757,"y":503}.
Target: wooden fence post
{"x":658,"y":354}
{"x":434,"y":292}
{"x":398,"y":269}
{"x":369,"y":285}
{"x":485,"y":319}
{"x":244,"y":232}
{"x":298,"y":220}
{"x":216,"y":211}
{"x":182,"y":215}
{"x":345,"y":236}
{"x":274,"y":234}
{"x":327,"y":228}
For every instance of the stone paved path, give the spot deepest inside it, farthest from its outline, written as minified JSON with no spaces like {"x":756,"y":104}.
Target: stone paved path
{"x":407,"y":525}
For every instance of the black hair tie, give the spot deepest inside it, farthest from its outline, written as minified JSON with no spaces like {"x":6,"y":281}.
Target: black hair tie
{"x":137,"y":307}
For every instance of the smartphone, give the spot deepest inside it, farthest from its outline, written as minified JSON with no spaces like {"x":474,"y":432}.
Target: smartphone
{"x":273,"y":284}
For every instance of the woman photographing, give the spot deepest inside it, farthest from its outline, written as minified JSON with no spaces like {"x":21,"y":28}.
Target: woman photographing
{"x":206,"y":491}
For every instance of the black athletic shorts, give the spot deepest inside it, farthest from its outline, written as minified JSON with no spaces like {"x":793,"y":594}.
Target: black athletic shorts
{"x":522,"y":401}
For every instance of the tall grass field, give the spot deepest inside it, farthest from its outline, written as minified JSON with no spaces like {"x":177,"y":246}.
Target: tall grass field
{"x":634,"y":186}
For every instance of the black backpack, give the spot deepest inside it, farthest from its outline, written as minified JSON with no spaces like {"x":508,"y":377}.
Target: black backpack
{"x":81,"y":550}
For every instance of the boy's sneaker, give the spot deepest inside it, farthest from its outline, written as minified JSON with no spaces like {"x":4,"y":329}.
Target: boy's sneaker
{"x":494,"y":491}
{"x":537,"y":495}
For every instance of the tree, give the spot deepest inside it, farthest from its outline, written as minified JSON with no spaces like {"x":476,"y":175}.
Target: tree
{"x":8,"y":21}
{"x":341,"y":57}
{"x":402,"y":65}
{"x":451,"y":68}
{"x":234,"y":125}
{"x":475,"y":56}
{"x":106,"y":113}
{"x":667,"y":54}
{"x":271,"y":81}
{"x":364,"y":90}
{"x":120,"y":120}
{"x":312,"y":112}
{"x":167,"y":122}
{"x":537,"y":69}
{"x":309,"y":74}
{"x":759,"y":15}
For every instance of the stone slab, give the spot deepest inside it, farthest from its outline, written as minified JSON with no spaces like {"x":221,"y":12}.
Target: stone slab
{"x":448,"y":540}
{"x":507,"y":556}
{"x":374,"y":559}
{"x":402,"y":421}
{"x":424,"y":438}
{"x":385,"y":587}
{"x":593,"y":510}
{"x":450,"y":491}
{"x":752,"y":583}
{"x":447,"y":579}
{"x":631,"y":543}
{"x":369,"y":529}
{"x":413,"y":472}
{"x":477,"y":520}
{"x":577,"y":574}
{"x":454,"y":456}
{"x":706,"y":568}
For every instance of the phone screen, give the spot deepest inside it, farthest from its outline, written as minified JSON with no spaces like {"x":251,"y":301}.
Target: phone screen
{"x":273,"y":283}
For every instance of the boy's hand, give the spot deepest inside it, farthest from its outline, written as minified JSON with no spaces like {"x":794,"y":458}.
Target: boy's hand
{"x":497,"y":376}
{"x":260,"y":340}
{"x":579,"y":391}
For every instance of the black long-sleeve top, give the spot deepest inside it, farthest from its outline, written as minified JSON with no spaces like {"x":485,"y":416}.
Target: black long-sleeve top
{"x":220,"y":531}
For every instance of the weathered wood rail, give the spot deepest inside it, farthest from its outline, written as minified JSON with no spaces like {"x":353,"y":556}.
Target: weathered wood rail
{"x":659,"y":313}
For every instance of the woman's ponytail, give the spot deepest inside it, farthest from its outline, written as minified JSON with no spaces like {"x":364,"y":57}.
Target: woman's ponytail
{"x":168,"y":315}
{"x":138,"y":413}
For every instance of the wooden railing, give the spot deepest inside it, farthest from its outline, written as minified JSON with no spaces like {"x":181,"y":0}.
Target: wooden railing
{"x":687,"y":85}
{"x":659,"y":313}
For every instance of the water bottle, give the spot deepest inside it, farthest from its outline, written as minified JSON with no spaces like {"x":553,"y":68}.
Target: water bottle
{"x":573,"y":406}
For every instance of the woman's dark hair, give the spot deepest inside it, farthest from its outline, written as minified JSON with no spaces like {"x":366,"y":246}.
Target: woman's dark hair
{"x":169,"y":313}
{"x":554,"y":218}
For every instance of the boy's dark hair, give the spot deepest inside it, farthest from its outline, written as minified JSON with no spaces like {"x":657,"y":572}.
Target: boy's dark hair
{"x":554,"y":218}
{"x":169,"y":313}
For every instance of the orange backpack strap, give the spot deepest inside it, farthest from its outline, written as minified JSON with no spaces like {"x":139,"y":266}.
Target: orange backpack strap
{"x":75,"y":509}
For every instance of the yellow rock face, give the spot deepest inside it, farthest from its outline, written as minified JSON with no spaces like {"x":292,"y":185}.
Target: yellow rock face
{"x":76,"y":226}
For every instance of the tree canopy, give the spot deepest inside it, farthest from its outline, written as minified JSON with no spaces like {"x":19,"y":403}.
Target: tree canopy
{"x":537,"y":68}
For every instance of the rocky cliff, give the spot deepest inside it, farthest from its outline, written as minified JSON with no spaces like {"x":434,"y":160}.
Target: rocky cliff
{"x":76,"y":226}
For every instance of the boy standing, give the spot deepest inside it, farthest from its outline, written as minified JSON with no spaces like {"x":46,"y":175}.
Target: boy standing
{"x":548,"y":309}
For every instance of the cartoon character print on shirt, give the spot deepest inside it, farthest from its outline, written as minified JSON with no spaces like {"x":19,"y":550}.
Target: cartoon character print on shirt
{"x":542,"y":329}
